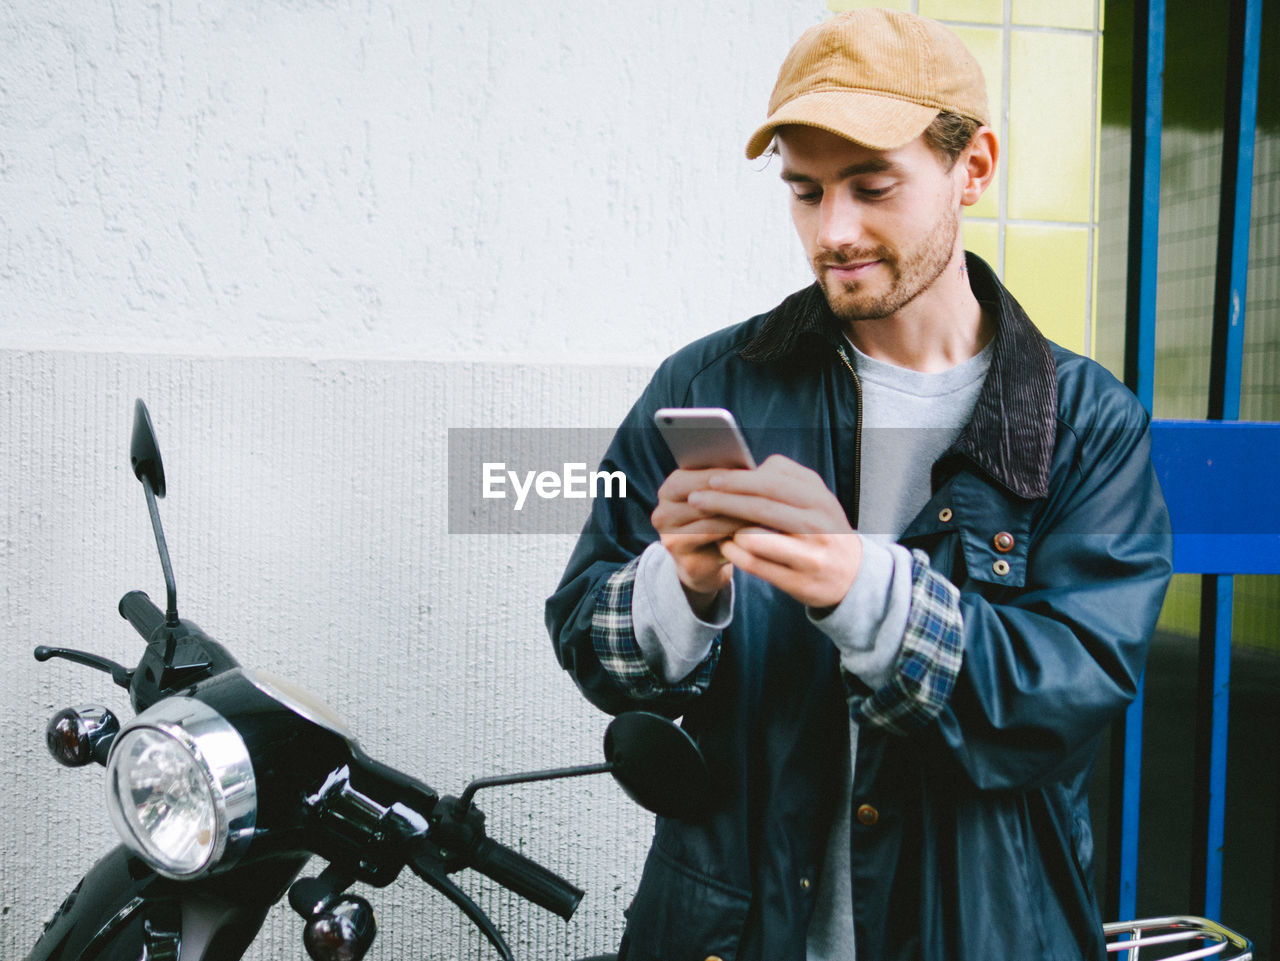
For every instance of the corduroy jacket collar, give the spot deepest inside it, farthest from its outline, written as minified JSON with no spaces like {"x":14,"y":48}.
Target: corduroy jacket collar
{"x":1011,"y":434}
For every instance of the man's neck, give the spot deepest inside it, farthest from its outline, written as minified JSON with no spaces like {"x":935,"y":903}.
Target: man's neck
{"x":942,"y":327}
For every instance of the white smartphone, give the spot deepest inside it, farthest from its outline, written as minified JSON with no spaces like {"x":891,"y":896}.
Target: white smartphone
{"x":702,"y":437}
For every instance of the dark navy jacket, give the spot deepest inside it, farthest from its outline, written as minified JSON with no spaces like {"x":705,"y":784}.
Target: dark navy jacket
{"x":971,"y":837}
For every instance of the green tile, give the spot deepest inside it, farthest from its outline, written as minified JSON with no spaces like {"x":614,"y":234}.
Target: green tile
{"x":1071,"y":14}
{"x":1047,"y":271}
{"x":964,"y":11}
{"x":983,"y":238}
{"x":987,"y":46}
{"x":1052,"y":120}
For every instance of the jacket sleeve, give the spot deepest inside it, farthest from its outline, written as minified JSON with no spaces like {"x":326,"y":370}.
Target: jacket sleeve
{"x":615,"y":643}
{"x":928,"y":662}
{"x":1043,"y":668}
{"x":589,"y":615}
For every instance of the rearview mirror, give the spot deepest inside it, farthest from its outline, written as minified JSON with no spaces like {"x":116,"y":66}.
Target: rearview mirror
{"x":658,"y":765}
{"x":144,"y":452}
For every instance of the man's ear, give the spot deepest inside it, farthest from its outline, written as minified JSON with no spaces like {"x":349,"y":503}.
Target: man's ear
{"x":978,"y":165}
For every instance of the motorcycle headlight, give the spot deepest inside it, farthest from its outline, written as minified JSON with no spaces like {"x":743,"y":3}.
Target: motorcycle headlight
{"x":180,"y":788}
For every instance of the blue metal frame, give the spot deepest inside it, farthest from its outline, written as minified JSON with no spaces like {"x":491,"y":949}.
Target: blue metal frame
{"x":1144,"y":198}
{"x":1211,"y":471}
{"x":1239,"y":128}
{"x":1139,"y":371}
{"x":1214,"y":475}
{"x":1217,"y":591}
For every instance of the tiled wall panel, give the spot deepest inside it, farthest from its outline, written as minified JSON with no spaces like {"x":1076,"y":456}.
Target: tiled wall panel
{"x":1037,"y":225}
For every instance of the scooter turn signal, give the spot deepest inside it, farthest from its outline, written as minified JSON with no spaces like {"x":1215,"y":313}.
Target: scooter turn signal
{"x":77,"y":736}
{"x":342,"y":930}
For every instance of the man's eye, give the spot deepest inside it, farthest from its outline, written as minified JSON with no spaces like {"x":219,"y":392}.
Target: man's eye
{"x":874,"y":193}
{"x":807,"y":196}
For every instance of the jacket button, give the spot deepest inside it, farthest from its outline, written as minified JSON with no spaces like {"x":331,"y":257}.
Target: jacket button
{"x":867,"y":815}
{"x":714,"y":957}
{"x":1003,"y":542}
{"x":1001,"y":567}
{"x":805,"y":884}
{"x":945,"y":514}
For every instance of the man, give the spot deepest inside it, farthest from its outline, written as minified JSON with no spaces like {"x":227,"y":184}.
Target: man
{"x":899,"y":640}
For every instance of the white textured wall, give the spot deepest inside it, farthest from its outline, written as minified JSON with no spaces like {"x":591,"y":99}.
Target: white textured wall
{"x":400,"y":177}
{"x":315,"y":236}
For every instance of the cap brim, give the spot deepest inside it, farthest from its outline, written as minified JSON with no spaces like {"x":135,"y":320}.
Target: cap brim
{"x":873,"y":120}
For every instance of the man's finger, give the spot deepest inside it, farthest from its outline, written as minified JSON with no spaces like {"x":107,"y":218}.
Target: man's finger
{"x":782,"y":549}
{"x":679,"y":483}
{"x":786,"y":481}
{"x":706,"y":530}
{"x":674,"y":515}
{"x":779,"y":575}
{"x":758,"y":510}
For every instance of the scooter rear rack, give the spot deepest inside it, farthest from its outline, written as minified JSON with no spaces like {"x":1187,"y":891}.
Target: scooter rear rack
{"x":1151,"y":938}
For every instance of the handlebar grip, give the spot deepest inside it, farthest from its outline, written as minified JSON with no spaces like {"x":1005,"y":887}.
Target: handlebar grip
{"x":526,"y":878}
{"x":139,"y":610}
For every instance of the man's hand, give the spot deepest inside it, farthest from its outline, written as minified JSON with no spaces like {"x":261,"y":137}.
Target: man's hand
{"x":788,"y":528}
{"x":692,"y":536}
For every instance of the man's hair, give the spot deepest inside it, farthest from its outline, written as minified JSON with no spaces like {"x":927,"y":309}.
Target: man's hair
{"x":949,"y":134}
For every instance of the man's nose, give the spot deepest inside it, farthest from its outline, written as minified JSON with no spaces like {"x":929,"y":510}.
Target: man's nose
{"x":839,"y":221}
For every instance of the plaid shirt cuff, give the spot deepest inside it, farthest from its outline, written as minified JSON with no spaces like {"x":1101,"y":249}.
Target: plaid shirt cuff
{"x":927,"y":666}
{"x":614,"y":640}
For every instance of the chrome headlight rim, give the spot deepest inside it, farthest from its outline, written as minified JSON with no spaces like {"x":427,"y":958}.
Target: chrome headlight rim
{"x":218,"y":754}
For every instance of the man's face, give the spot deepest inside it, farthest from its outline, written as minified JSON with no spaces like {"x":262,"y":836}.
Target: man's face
{"x":879,"y":226}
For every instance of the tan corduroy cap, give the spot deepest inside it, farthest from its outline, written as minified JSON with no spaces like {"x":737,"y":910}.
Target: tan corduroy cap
{"x":876,"y":77}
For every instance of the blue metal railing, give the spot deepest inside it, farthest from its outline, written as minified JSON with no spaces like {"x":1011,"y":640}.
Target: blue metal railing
{"x":1218,"y":589}
{"x":1147,"y":106}
{"x":1218,"y":475}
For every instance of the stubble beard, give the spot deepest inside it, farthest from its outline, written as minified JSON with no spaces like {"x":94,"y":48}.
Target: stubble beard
{"x":910,"y":273}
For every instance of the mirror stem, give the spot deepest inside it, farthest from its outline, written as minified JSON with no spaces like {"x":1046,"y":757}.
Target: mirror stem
{"x":170,"y":587}
{"x":552,"y":775}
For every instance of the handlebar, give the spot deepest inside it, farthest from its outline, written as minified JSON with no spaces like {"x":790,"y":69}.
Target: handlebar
{"x":139,"y":610}
{"x":369,"y":795}
{"x":491,"y":858}
{"x":526,"y":878}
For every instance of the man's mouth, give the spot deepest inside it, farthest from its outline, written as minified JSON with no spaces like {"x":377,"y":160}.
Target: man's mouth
{"x":849,"y":270}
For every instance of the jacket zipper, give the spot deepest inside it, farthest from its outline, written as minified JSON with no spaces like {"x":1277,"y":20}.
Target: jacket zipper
{"x":857,"y":440}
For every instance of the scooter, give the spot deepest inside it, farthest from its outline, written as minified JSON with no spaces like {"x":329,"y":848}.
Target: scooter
{"x":228,"y":781}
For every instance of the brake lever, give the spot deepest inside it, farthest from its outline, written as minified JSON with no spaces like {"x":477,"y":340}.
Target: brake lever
{"x":432,"y":870}
{"x":119,"y":673}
